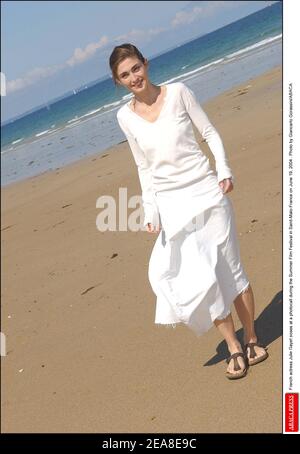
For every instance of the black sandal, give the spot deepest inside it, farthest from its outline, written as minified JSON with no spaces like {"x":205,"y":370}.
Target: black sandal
{"x":243,"y":372}
{"x":253,"y":354}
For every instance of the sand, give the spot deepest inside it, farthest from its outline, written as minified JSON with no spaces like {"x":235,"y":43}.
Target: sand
{"x":83,"y":352}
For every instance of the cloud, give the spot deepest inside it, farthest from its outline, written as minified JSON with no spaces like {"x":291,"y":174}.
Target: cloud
{"x":139,"y":34}
{"x":81,"y":55}
{"x":187,"y":17}
{"x":199,"y":12}
{"x":36,"y":74}
{"x":32,"y":77}
{"x":182,"y":18}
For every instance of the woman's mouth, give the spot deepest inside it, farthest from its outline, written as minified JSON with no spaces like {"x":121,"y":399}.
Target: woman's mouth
{"x":139,"y":84}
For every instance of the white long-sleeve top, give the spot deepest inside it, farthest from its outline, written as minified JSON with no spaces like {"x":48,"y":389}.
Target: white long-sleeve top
{"x":172,"y":168}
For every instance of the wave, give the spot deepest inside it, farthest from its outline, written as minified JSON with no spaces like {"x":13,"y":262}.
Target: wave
{"x":254,"y":46}
{"x":109,"y":107}
{"x":6,"y":150}
{"x":17,"y":141}
{"x":226,"y":58}
{"x":73,"y":119}
{"x":91,"y":112}
{"x":42,"y":133}
{"x":73,"y":124}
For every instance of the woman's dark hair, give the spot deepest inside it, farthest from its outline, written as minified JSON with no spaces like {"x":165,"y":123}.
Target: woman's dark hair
{"x":119,"y":54}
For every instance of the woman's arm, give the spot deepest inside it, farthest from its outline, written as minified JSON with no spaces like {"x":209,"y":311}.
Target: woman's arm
{"x":208,"y":132}
{"x":151,"y":213}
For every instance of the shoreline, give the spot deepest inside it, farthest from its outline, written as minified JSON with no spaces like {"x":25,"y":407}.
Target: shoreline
{"x":110,"y":149}
{"x":100,"y":132}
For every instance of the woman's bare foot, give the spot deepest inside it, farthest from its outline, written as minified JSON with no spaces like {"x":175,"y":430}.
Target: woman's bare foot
{"x":260,"y":351}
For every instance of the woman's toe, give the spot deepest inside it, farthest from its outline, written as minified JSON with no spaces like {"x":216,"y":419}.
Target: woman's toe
{"x":241,"y":363}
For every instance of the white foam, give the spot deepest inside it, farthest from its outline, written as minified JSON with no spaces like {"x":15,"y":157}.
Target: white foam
{"x":225,"y":59}
{"x":254,"y":46}
{"x":73,"y":119}
{"x":42,"y":133}
{"x":17,"y":141}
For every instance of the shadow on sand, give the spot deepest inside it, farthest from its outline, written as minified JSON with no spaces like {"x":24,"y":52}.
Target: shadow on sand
{"x":268,"y":327}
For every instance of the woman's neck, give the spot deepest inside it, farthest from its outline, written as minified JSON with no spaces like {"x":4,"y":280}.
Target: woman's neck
{"x":149,"y":96}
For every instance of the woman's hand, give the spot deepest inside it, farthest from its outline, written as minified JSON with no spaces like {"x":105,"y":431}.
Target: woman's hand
{"x":226,"y":185}
{"x":151,"y":229}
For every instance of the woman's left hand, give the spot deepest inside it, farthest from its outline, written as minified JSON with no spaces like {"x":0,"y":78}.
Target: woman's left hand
{"x":226,"y":185}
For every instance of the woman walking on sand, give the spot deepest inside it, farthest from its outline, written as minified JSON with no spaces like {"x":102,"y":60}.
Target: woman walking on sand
{"x":195,"y":268}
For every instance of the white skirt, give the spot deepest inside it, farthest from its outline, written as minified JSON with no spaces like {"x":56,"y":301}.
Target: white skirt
{"x":198,"y":273}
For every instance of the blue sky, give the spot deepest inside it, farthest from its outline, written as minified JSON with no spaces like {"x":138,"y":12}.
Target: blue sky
{"x":51,"y":47}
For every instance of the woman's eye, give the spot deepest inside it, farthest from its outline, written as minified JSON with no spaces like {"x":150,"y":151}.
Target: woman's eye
{"x":135,"y":69}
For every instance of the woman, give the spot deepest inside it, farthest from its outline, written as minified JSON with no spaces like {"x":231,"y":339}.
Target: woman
{"x":194,"y":269}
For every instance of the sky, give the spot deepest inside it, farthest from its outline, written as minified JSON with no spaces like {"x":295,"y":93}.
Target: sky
{"x":51,"y":47}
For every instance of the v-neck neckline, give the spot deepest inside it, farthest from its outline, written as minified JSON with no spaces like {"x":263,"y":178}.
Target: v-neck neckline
{"x":161,"y":110}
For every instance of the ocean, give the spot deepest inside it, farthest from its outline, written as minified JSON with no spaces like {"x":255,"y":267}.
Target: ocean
{"x":84,"y":122}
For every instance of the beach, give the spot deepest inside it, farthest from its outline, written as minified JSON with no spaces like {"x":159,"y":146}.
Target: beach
{"x":82,"y":351}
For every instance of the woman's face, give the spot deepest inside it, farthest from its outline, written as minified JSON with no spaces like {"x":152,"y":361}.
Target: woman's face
{"x":132,"y":74}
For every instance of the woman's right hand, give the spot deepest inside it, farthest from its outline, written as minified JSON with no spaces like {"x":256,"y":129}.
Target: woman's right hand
{"x":226,"y":185}
{"x":151,"y":229}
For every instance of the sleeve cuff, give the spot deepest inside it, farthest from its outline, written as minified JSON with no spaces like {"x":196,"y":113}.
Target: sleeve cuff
{"x":151,"y":216}
{"x":222,"y":175}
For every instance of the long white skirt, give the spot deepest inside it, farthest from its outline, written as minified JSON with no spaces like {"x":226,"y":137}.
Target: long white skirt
{"x":197,"y":275}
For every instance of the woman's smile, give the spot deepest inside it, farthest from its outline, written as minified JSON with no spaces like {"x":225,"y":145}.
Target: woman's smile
{"x":139,"y":84}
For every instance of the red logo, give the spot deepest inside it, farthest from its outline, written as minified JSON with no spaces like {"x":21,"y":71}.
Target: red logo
{"x":291,"y":412}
